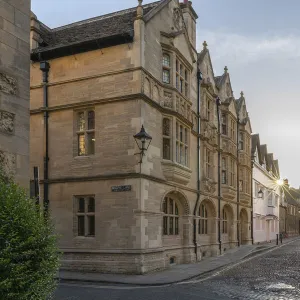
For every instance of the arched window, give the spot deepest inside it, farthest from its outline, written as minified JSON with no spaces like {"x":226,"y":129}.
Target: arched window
{"x":171,"y":217}
{"x":166,"y":64}
{"x":225,"y":222}
{"x":203,"y":221}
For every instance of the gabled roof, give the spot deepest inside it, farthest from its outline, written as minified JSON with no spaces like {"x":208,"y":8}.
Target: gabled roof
{"x":114,"y":28}
{"x":263,"y":153}
{"x":223,"y":88}
{"x":276,"y":170}
{"x":270,"y":161}
{"x":219,"y":80}
{"x":255,"y":145}
{"x":201,"y":58}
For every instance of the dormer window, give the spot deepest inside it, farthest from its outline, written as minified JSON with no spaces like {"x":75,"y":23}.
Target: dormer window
{"x":166,"y":65}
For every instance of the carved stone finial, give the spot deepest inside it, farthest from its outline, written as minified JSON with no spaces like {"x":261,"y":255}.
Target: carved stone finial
{"x":242,"y":94}
{"x":204,"y":45}
{"x":140,"y":11}
{"x":225,"y":70}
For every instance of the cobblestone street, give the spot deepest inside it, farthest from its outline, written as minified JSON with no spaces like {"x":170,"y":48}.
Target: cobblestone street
{"x":271,"y":276}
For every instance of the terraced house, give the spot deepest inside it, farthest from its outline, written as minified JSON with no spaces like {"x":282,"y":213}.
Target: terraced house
{"x":94,"y":84}
{"x":267,"y":193}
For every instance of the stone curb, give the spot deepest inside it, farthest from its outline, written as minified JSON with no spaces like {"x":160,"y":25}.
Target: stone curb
{"x":198,"y":276}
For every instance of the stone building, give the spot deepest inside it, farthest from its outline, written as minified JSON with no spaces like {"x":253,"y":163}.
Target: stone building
{"x":291,"y":214}
{"x":267,"y":193}
{"x":14,"y":89}
{"x":94,"y":84}
{"x":234,"y":209}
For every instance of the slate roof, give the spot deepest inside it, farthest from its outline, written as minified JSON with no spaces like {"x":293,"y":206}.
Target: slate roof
{"x":270,"y":161}
{"x":115,"y":24}
{"x":263,"y":152}
{"x":255,"y":143}
{"x":276,"y":168}
{"x":218,"y":80}
{"x":292,"y":195}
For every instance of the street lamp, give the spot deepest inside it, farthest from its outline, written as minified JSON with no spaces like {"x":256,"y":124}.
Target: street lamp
{"x":260,"y":194}
{"x":143,"y":141}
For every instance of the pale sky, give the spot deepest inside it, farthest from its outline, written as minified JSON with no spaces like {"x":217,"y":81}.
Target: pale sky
{"x":259,"y":41}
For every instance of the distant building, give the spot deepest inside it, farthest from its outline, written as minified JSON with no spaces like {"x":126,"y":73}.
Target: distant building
{"x":292,"y":210}
{"x":14,"y":89}
{"x":267,"y":194}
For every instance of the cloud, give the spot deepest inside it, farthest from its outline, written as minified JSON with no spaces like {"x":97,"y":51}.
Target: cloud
{"x":238,"y":49}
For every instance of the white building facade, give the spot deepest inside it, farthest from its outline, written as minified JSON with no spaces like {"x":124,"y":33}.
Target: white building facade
{"x":266,"y":193}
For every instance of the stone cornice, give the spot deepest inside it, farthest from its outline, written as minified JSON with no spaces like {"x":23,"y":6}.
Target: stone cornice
{"x":117,"y":176}
{"x":112,"y":73}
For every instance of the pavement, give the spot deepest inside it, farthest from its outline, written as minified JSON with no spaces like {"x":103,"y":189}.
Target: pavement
{"x":175,"y":274}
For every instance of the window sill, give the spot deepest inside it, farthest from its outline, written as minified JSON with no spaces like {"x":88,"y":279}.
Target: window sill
{"x":80,"y":237}
{"x":84,"y":156}
{"x":175,"y":172}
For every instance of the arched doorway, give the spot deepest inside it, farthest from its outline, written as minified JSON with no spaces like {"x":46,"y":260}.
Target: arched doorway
{"x":227,"y":217}
{"x":207,"y":222}
{"x":244,"y":230}
{"x":175,"y":223}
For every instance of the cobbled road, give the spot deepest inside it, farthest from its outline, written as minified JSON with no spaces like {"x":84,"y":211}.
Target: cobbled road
{"x":274,"y":275}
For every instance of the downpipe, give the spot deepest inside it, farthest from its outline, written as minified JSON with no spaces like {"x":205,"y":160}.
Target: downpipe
{"x":199,"y":77}
{"x":45,"y":67}
{"x":218,"y":102}
{"x":238,"y":184}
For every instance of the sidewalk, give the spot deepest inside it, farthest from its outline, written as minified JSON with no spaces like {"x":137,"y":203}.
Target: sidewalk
{"x":177,"y":273}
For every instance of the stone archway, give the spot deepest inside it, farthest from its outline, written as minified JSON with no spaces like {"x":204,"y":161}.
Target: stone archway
{"x":177,"y":226}
{"x":227,"y":216}
{"x":244,"y":230}
{"x":206,"y":225}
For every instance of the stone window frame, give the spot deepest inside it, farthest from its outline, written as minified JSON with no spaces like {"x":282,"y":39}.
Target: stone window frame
{"x":241,"y":185}
{"x":241,"y":141}
{"x":171,"y":216}
{"x":232,"y":172}
{"x":209,"y":109}
{"x":203,"y":220}
{"x":224,"y":123}
{"x":182,"y":76}
{"x":182,"y":141}
{"x":232,"y":129}
{"x":224,"y":177}
{"x":86,"y":132}
{"x":167,"y":138}
{"x":166,"y":67}
{"x":86,"y":214}
{"x":208,"y":163}
{"x":176,"y":141}
{"x":224,"y":221}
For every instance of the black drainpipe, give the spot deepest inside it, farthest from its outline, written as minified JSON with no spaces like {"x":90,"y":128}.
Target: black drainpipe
{"x":199,"y":77}
{"x":218,"y":102}
{"x":238,"y":183}
{"x":251,"y":193}
{"x":44,"y":67}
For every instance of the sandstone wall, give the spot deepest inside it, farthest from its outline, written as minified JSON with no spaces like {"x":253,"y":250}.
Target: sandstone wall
{"x":14,"y":88}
